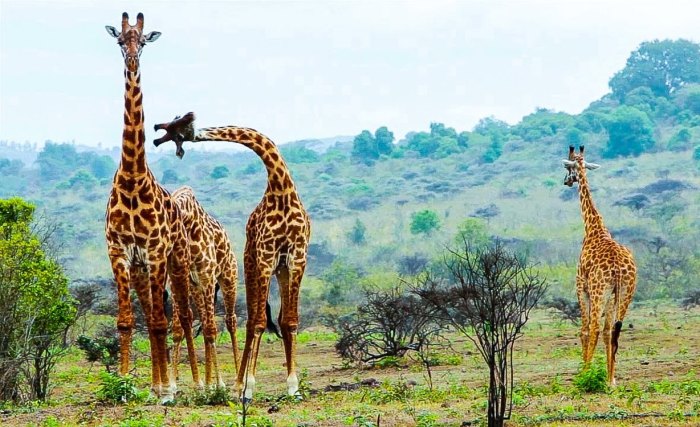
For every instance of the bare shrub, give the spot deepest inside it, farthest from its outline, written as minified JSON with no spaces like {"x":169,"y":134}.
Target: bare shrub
{"x":486,"y":293}
{"x":565,"y":309}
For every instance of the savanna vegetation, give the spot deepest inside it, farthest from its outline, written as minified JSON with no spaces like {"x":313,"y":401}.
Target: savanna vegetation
{"x":387,"y":213}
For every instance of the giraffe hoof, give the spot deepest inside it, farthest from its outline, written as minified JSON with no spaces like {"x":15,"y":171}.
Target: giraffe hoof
{"x":246,"y":400}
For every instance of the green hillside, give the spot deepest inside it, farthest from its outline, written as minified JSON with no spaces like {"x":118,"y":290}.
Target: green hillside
{"x":365,"y":195}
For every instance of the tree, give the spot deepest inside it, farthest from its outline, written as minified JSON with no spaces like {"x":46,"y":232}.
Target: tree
{"x":472,"y":230}
{"x":424,"y":222}
{"x":170,"y":177}
{"x":357,"y":234}
{"x":102,"y":167}
{"x":385,"y":140}
{"x":57,"y":160}
{"x":299,"y":154}
{"x":35,"y":306}
{"x":663,"y":66}
{"x":630,"y":132}
{"x":364,"y":147}
{"x":486,"y":294}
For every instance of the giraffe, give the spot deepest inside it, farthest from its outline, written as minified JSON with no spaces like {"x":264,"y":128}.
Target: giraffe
{"x":277,"y":239}
{"x":144,"y":232}
{"x":213,"y":261}
{"x":606,"y":275}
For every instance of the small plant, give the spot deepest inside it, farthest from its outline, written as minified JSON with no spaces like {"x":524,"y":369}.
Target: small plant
{"x":213,"y":396}
{"x":119,"y":389}
{"x":593,"y":379}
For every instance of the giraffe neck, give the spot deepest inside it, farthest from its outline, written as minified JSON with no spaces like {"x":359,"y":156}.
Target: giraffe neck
{"x":592,"y":220}
{"x":278,"y":177}
{"x":133,"y":161}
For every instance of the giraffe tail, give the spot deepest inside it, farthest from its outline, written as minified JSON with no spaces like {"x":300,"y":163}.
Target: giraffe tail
{"x":271,"y":327}
{"x":617,"y":327}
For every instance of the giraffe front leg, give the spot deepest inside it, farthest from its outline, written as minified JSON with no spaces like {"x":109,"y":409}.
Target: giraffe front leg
{"x":178,"y":334}
{"x":159,"y":330}
{"x":125,"y":317}
{"x":227,"y":281}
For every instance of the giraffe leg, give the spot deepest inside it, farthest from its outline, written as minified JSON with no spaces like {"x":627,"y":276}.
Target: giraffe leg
{"x":228,"y":280}
{"x":204,"y":298}
{"x":257,"y":289}
{"x":159,"y":328}
{"x":289,"y":320}
{"x":125,"y":318}
{"x":141,"y":283}
{"x":593,"y":328}
{"x":585,"y":307}
{"x":607,"y":339}
{"x":180,"y":291}
{"x":178,"y":334}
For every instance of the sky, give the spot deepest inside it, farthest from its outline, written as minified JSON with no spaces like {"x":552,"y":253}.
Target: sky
{"x":315,"y":69}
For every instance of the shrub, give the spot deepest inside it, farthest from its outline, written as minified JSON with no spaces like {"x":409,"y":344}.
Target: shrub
{"x":594,"y":378}
{"x":119,"y":389}
{"x":424,"y":222}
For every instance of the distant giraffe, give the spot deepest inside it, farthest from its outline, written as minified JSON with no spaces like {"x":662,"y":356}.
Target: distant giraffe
{"x":213,"y":261}
{"x":277,"y":239}
{"x":606,"y":276}
{"x":145,"y":236}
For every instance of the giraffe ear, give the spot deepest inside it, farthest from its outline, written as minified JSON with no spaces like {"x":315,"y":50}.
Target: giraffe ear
{"x":568,"y":162}
{"x":591,"y":166}
{"x":152,"y":36}
{"x":112,"y":31}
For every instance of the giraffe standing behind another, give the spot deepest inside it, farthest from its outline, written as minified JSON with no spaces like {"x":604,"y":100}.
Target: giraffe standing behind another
{"x":606,"y":276}
{"x":213,"y":261}
{"x":277,"y":239}
{"x":145,"y":236}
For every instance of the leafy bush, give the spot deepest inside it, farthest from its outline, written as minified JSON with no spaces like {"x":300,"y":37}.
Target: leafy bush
{"x":594,"y":378}
{"x":630,"y":132}
{"x":119,"y":389}
{"x":424,"y":222}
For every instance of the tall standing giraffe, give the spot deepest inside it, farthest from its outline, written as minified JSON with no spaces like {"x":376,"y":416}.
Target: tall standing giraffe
{"x":213,"y":261}
{"x":145,"y":235}
{"x":277,"y":239}
{"x":606,"y":276}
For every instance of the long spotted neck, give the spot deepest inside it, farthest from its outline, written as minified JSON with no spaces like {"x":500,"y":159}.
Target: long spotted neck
{"x":278,"y":178}
{"x":133,"y":161}
{"x":592,"y":220}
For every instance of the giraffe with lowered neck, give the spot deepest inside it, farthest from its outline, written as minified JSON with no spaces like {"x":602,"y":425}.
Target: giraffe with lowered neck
{"x":607,"y":275}
{"x":146,"y":239}
{"x":277,"y":239}
{"x":213,"y":261}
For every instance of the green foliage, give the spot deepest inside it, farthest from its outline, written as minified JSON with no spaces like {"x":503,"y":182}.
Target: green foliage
{"x":220,"y":171}
{"x":398,"y":391}
{"x":357,"y":234}
{"x":298,"y":154}
{"x":10,"y":167}
{"x":594,"y":378}
{"x":57,"y":161}
{"x":680,"y":140}
{"x":663,"y":66}
{"x":424,"y":222}
{"x":102,"y":167}
{"x":211,"y":397}
{"x":696,"y":153}
{"x":82,"y":179}
{"x":119,"y":389}
{"x":630,"y":132}
{"x":542,"y":123}
{"x":472,"y":230}
{"x":688,"y":98}
{"x":441,"y":142}
{"x":35,"y":306}
{"x":367,"y":148}
{"x":340,"y":282}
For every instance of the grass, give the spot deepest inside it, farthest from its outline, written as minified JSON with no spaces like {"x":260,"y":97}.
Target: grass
{"x":655,"y":388}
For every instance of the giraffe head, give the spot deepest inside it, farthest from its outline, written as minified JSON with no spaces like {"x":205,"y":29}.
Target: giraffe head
{"x":131,"y":40}
{"x":575,"y":165}
{"x":180,"y":129}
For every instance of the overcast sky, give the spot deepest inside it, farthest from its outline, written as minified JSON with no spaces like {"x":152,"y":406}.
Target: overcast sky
{"x":313,"y":69}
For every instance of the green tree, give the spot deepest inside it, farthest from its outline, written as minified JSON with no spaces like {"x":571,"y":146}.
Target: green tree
{"x":384,"y":139}
{"x":56,"y":161}
{"x":663,"y":66}
{"x":472,"y":230}
{"x":630,"y":132}
{"x":102,"y":167}
{"x":35,"y":306}
{"x":357,"y":234}
{"x":688,"y":98}
{"x":364,"y":147}
{"x":219,"y":172}
{"x":82,"y":179}
{"x":341,"y":282}
{"x":299,"y":155}
{"x":424,"y":222}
